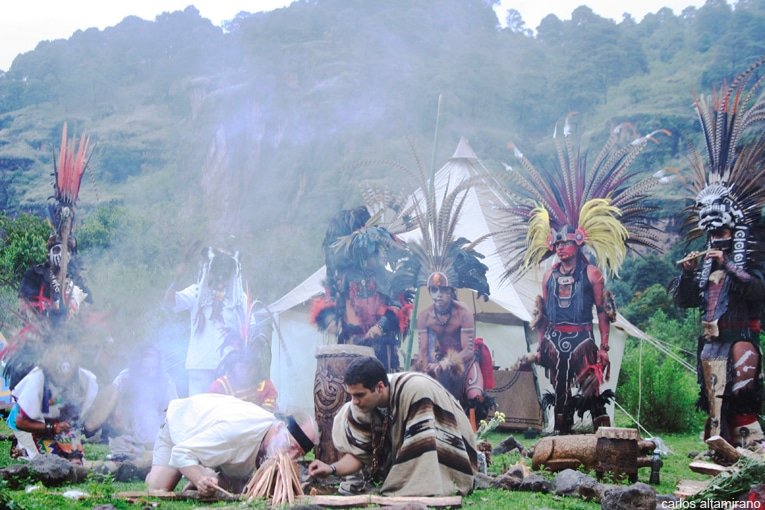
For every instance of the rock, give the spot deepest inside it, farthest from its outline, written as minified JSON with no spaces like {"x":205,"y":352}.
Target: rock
{"x":567,"y":482}
{"x":507,"y":482}
{"x":128,"y":472}
{"x":512,"y":478}
{"x":80,"y":473}
{"x":482,"y":481}
{"x":105,"y":507}
{"x":591,"y":490}
{"x":536,"y":483}
{"x":638,"y":496}
{"x":52,"y":470}
{"x":15,"y":475}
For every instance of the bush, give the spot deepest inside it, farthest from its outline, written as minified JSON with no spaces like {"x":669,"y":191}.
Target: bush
{"x":22,"y":241}
{"x":665,"y":392}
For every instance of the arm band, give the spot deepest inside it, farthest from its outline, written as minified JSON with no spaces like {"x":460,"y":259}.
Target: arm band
{"x":334,"y":469}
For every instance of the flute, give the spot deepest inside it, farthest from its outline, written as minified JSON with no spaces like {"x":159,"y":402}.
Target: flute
{"x":691,"y":256}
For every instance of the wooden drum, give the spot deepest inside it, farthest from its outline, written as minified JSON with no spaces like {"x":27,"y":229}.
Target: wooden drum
{"x":329,"y":393}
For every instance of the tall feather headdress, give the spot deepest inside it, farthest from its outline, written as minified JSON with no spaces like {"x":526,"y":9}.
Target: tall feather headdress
{"x":68,"y":169}
{"x":728,"y":183}
{"x":438,"y":251}
{"x":600,"y":206}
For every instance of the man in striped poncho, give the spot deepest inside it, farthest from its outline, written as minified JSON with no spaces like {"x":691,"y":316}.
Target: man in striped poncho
{"x":407,"y":432}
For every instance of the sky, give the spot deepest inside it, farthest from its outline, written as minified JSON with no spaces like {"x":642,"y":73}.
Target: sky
{"x":24,"y":23}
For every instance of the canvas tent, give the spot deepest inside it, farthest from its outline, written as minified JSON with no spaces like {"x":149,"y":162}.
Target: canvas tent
{"x":502,"y":321}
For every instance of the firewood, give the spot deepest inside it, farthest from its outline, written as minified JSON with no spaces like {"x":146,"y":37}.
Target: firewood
{"x":363,"y":500}
{"x":277,"y":479}
{"x":687,"y":488}
{"x":707,"y":468}
{"x":723,"y":447}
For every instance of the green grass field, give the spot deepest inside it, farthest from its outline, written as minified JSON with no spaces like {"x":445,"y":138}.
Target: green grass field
{"x":103,"y":490}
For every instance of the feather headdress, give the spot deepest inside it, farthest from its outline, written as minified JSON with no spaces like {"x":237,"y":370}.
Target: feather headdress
{"x":355,"y":242}
{"x":68,"y":170}
{"x":438,"y":251}
{"x":600,"y":207}
{"x":728,"y":182}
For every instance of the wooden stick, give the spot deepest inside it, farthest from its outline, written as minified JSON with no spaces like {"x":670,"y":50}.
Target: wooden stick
{"x":723,"y":447}
{"x":224,"y":491}
{"x":368,"y":499}
{"x":687,"y":488}
{"x":707,"y":468}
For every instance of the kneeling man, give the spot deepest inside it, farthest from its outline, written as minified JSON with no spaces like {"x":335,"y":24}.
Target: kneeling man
{"x":407,"y":432}
{"x":219,"y":440}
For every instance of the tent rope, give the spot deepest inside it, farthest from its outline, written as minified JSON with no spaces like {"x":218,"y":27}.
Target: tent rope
{"x":666,"y":349}
{"x":640,"y":380}
{"x":640,"y":426}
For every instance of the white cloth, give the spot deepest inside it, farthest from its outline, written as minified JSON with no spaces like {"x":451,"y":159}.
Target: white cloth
{"x":204,"y":343}
{"x":29,"y":394}
{"x":217,"y":431}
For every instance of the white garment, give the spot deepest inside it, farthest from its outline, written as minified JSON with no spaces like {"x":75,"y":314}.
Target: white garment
{"x":204,"y":343}
{"x":29,"y":394}
{"x":217,"y":431}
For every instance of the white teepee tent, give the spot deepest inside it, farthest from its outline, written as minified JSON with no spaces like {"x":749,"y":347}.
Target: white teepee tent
{"x":502,"y":321}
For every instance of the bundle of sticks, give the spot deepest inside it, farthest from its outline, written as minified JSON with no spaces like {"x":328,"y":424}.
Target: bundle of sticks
{"x":277,"y":479}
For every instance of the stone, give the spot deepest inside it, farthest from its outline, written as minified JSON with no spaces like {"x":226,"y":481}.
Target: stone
{"x":567,"y":482}
{"x":128,"y":472}
{"x":512,"y":478}
{"x":15,"y":475}
{"x":507,"y":482}
{"x":638,"y":496}
{"x":482,"y":481}
{"x":52,"y":470}
{"x":591,"y":490}
{"x":536,"y":483}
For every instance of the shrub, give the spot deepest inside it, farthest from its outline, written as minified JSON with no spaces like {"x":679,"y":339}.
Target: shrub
{"x":664,"y":391}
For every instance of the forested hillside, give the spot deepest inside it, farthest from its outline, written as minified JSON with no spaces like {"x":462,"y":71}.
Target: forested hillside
{"x":260,"y":131}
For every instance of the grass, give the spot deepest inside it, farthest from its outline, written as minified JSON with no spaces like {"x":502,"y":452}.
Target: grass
{"x":102,"y":490}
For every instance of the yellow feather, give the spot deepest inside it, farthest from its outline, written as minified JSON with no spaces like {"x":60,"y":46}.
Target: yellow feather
{"x":536,"y":237}
{"x":605,"y":234}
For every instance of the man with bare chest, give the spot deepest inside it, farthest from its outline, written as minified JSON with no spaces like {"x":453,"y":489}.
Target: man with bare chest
{"x":446,"y":351}
{"x":567,"y":347}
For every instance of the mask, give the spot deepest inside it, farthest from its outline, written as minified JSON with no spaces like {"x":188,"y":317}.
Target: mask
{"x":714,"y":208}
{"x":54,"y":255}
